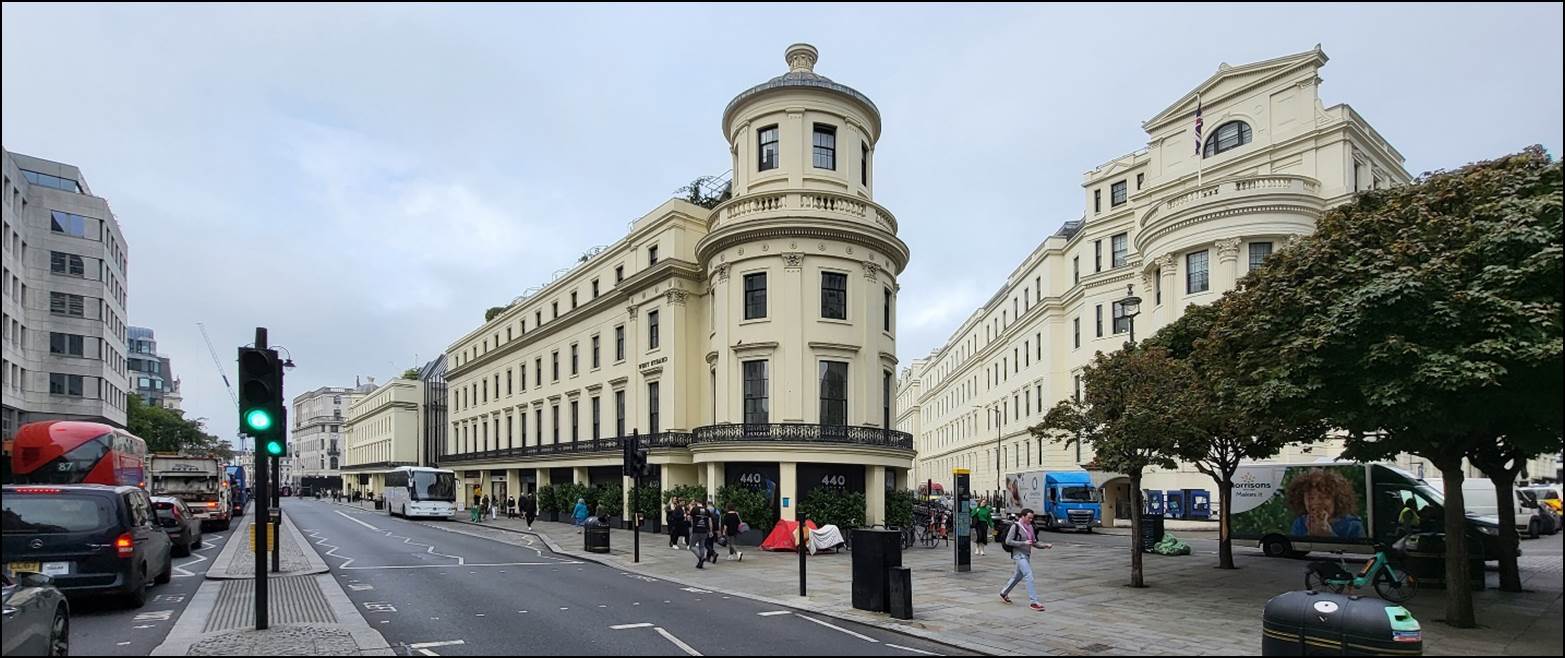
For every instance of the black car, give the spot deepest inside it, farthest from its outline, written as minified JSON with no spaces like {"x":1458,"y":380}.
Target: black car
{"x":181,"y":524}
{"x":87,"y":537}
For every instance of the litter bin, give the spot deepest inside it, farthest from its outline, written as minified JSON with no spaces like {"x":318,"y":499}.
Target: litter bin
{"x":1322,"y":623}
{"x":1174,"y":502}
{"x":595,"y":539}
{"x":380,"y":503}
{"x":1198,"y":504}
{"x":1151,"y":531}
{"x":875,"y":552}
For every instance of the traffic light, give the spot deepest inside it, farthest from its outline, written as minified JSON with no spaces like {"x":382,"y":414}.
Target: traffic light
{"x":634,"y":457}
{"x":261,"y":413}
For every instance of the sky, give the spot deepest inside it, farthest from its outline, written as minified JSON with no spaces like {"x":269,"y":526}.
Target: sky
{"x":366,"y":180}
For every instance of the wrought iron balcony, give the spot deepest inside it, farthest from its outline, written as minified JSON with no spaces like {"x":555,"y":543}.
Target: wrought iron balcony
{"x":600,"y":445}
{"x":803,"y":433}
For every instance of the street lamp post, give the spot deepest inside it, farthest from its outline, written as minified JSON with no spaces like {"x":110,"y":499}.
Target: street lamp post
{"x":1130,"y":306}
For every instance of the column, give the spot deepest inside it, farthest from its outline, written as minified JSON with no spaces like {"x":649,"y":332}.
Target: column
{"x":542,"y":475}
{"x":513,"y":482}
{"x":483,"y":481}
{"x":864,"y":399}
{"x":627,"y":486}
{"x":579,"y":475}
{"x":714,"y":478}
{"x":793,"y":365}
{"x":719,"y":343}
{"x":1168,"y":265}
{"x":788,"y":473}
{"x":875,"y":496}
{"x":1225,"y":273}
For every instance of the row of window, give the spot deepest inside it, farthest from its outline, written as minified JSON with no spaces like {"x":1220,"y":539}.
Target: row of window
{"x":1227,"y":137}
{"x":53,"y":182}
{"x":823,"y":154}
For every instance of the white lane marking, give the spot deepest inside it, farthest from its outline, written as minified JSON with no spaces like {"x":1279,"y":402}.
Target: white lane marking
{"x":156,"y":615}
{"x":145,"y":626}
{"x":773,"y":613}
{"x":427,"y":652}
{"x":444,"y":566}
{"x":622,"y":627}
{"x":321,"y":541}
{"x":677,"y":642}
{"x":431,"y":645}
{"x":121,"y":644}
{"x":695,"y":590}
{"x":835,"y":627}
{"x":927,"y":653}
{"x":345,"y":516}
{"x":361,"y":588}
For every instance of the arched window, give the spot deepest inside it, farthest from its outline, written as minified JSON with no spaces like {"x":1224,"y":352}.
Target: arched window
{"x":1231,"y":135}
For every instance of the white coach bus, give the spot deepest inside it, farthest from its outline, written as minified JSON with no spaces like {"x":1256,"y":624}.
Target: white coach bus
{"x":418,"y":491}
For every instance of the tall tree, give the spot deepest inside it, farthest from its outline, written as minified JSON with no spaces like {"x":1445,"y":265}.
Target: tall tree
{"x":167,"y":430}
{"x":1502,"y":461}
{"x":1225,"y":431}
{"x":1129,"y":416}
{"x":1422,"y":319}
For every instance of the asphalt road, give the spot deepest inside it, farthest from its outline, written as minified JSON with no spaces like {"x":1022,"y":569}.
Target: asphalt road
{"x":104,"y":625}
{"x":438,"y":588}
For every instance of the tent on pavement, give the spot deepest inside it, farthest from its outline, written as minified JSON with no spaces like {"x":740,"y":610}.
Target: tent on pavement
{"x":785,"y":536}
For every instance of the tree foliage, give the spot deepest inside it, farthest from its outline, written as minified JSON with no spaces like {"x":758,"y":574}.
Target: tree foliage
{"x":825,"y":505}
{"x":411,"y":373}
{"x":167,"y":430}
{"x":899,"y":508}
{"x":697,"y":192}
{"x":754,"y":507}
{"x":1423,"y":319}
{"x":1132,"y":416}
{"x":493,"y":311}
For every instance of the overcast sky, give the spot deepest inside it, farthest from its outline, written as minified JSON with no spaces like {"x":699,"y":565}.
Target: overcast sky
{"x":396,"y":170}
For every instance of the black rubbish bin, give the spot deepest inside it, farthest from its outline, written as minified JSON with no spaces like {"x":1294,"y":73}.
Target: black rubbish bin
{"x":1151,"y":531}
{"x":875,"y":552}
{"x":900,"y":595}
{"x":595,"y":539}
{"x":380,"y":503}
{"x":1322,"y":623}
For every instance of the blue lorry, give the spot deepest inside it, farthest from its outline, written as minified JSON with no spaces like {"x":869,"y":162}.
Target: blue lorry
{"x":1060,"y":499}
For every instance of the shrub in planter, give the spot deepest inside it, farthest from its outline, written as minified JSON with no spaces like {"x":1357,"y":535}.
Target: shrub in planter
{"x":753,"y":507}
{"x":830,"y":507}
{"x":611,"y":498}
{"x":647,"y":504}
{"x":685,"y":492}
{"x":899,"y":508}
{"x":547,"y":503}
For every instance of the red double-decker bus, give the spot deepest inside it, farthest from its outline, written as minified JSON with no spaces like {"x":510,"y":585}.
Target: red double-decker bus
{"x":78,"y":452}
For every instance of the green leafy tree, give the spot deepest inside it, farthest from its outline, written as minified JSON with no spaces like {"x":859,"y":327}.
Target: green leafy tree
{"x":899,"y":508}
{"x":1225,"y":431}
{"x":647,"y":501}
{"x":696,"y":192}
{"x":493,"y":311}
{"x":685,"y":492}
{"x":1422,"y":319}
{"x":1132,"y":416}
{"x":167,"y":430}
{"x":611,"y":497}
{"x":1502,"y":461}
{"x":411,"y":373}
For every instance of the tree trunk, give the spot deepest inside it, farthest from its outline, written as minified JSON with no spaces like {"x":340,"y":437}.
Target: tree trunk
{"x":1225,"y":544}
{"x":1504,"y":482}
{"x":1135,"y":531}
{"x":1458,"y":583}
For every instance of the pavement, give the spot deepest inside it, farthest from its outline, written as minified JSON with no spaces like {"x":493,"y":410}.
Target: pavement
{"x":309,"y":614}
{"x":1189,"y":608}
{"x":454,"y":589}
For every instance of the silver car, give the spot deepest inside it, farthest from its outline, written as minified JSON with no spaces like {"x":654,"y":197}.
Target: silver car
{"x":37,"y":617}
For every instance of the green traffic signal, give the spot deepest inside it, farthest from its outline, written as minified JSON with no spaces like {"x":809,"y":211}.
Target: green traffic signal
{"x":274,"y":448}
{"x":258,"y":420}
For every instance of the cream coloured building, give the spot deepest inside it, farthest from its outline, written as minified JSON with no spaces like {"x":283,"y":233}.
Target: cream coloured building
{"x":381,"y":433}
{"x":1175,"y":225}
{"x":752,"y":344}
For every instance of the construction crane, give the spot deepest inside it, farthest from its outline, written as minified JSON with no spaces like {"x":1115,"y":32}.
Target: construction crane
{"x":224,"y":374}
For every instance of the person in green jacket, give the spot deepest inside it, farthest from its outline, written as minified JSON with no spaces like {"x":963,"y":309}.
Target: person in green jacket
{"x":983,"y":518}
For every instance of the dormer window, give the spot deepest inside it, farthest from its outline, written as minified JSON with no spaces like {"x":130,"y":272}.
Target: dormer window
{"x":1228,"y":136}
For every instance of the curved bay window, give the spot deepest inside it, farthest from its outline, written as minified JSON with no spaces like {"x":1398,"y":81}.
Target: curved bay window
{"x":1228,"y":136}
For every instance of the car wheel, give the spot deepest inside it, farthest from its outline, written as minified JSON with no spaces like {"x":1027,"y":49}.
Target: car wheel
{"x":1276,"y":547}
{"x":168,"y":572}
{"x":60,"y":633}
{"x":226,"y":523}
{"x":182,"y":550}
{"x":199,"y":542}
{"x":137,"y":596}
{"x":1532,"y":529}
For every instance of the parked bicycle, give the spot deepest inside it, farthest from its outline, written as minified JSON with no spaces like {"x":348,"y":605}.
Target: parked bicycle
{"x":1390,"y":582}
{"x":937,"y":529}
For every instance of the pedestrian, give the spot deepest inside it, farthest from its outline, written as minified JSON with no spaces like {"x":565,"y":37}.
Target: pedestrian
{"x":983,"y":517}
{"x":731,"y":523}
{"x":579,"y":514}
{"x":700,"y":530}
{"x":483,"y":507}
{"x":675,"y":518}
{"x":494,"y":508}
{"x":1021,"y":539}
{"x":472,"y":508}
{"x":510,"y":507}
{"x":715,"y":519}
{"x":529,"y":510}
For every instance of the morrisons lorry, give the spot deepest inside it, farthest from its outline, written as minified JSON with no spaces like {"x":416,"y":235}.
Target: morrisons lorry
{"x":199,"y":481}
{"x":1291,"y":509}
{"x":1059,"y":499}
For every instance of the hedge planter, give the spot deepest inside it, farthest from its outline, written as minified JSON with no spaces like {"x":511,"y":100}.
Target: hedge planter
{"x":552,"y":516}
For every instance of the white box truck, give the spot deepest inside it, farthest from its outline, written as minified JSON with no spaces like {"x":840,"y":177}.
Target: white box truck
{"x":199,"y":481}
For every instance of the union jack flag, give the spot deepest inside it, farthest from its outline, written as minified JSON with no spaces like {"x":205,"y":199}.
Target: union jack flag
{"x":1198,"y":125}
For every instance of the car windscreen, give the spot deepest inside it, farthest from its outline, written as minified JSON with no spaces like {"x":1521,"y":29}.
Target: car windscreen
{"x":425,"y":485}
{"x":35,"y":514}
{"x":1079,"y":494}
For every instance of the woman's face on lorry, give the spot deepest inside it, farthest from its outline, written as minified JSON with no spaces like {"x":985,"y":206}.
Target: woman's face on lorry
{"x":1318,"y":501}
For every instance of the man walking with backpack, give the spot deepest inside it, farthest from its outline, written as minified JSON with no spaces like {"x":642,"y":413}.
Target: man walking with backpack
{"x":1019,"y":542}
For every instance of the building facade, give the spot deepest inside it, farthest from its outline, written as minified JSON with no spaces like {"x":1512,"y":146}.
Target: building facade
{"x":381,"y":433}
{"x":1177,"y":223}
{"x":151,"y":374}
{"x":749,"y":344}
{"x":433,"y":417}
{"x":63,"y":298}
{"x":316,"y":442}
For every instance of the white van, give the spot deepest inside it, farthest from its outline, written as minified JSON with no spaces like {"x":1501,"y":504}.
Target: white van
{"x":1478,"y":495}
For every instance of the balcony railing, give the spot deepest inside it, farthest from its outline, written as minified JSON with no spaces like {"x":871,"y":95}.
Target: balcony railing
{"x":803,"y":433}
{"x":606,"y":444}
{"x":821,"y":202}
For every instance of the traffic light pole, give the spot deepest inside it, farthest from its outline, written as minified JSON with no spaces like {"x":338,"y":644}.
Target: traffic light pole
{"x":277,"y":509}
{"x":262,"y":515}
{"x":635,"y":499}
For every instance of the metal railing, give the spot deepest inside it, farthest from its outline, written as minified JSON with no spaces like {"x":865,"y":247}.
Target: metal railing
{"x":605,"y":444}
{"x":803,"y":433}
